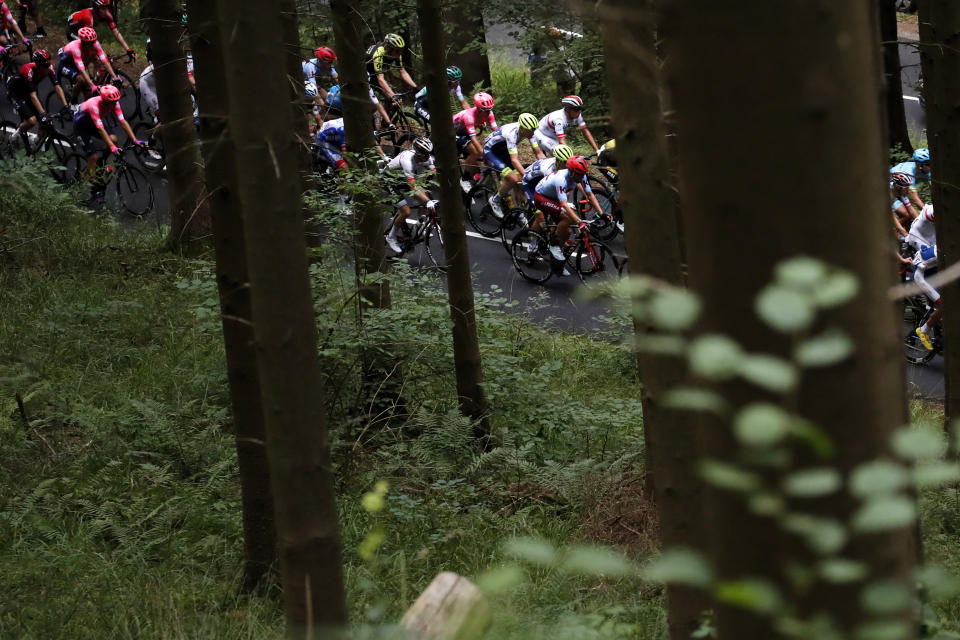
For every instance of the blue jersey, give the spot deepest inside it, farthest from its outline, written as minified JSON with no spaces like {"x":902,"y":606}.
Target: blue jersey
{"x":911,"y":169}
{"x":332,"y":134}
{"x":557,"y":185}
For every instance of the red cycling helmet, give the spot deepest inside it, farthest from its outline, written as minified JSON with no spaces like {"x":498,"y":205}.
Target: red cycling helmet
{"x":483,"y":100}
{"x":577,"y":164}
{"x":87,"y":34}
{"x":110,"y":93}
{"x":325,"y":53}
{"x":98,"y":4}
{"x":574,"y":102}
{"x":41,"y":58}
{"x":900,"y":179}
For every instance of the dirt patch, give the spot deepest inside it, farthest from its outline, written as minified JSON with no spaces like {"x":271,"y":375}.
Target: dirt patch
{"x":908,"y":28}
{"x":618,"y":513}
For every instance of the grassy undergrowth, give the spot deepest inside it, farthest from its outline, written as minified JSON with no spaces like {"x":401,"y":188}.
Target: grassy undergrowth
{"x":119,"y":505}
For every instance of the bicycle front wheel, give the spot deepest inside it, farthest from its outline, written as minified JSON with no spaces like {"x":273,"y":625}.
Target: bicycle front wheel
{"x":480,"y":213}
{"x":531,"y":256}
{"x":589,"y":258}
{"x":435,"y":246}
{"x":133,"y":191}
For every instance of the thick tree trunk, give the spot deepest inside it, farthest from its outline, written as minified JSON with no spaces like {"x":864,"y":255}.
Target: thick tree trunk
{"x":466,"y":347}
{"x":896,"y":116}
{"x":284,"y":327}
{"x":189,"y":213}
{"x":234,"y":290}
{"x":940,"y":35}
{"x":357,"y":116}
{"x":813,"y":88}
{"x":468,"y":43}
{"x":653,"y":244}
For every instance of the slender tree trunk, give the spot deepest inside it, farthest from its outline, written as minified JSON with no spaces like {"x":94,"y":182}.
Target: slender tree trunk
{"x":940,"y":35}
{"x":813,"y":88}
{"x":357,"y":117}
{"x":896,"y":116}
{"x":234,"y":290}
{"x":653,"y":243}
{"x":189,"y":213}
{"x":466,"y":347}
{"x":468,"y":43}
{"x":261,"y":124}
{"x":293,"y":57}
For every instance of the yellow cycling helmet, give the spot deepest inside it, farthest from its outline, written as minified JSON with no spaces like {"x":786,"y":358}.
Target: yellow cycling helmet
{"x":393,"y":40}
{"x":562,"y":153}
{"x":610,"y":144}
{"x":528,"y":121}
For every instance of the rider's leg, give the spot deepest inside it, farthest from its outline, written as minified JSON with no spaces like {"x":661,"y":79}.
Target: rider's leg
{"x":563,"y":229}
{"x":27,"y":124}
{"x":508,"y":184}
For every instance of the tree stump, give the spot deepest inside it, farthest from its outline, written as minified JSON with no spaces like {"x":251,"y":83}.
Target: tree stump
{"x":451,"y":608}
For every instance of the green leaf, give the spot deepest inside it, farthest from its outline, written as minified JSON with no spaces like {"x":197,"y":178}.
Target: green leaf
{"x":939,"y":582}
{"x":823,"y":350}
{"x":885,"y":597}
{"x":766,"y":504}
{"x":786,"y":310}
{"x":694,"y":399}
{"x":801,"y":272}
{"x":813,"y":483}
{"x":715,"y":356}
{"x":836,"y":289}
{"x":500,"y":579}
{"x":936,"y":474}
{"x":727,"y":476}
{"x":842,"y":570}
{"x":674,"y":309}
{"x":769,"y":372}
{"x":918,"y":443}
{"x":761,"y":424}
{"x":822,"y":535}
{"x":816,"y":438}
{"x":883,"y":513}
{"x":877,"y":477}
{"x":594,"y":561}
{"x":531,"y":550}
{"x":680,"y":566}
{"x":755,"y":595}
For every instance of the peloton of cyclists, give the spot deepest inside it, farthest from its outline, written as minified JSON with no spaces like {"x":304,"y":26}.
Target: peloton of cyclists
{"x":76,"y":55}
{"x":422,"y":106}
{"x":22,"y":90}
{"x":500,"y":150}
{"x":98,"y":12}
{"x":407,"y":166}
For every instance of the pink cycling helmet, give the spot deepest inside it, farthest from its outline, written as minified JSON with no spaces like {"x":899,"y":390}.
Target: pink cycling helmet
{"x":110,"y":93}
{"x":87,"y":34}
{"x":483,"y":100}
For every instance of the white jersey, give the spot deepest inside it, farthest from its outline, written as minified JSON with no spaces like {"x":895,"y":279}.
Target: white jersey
{"x":922,"y":231}
{"x":406,"y":162}
{"x":148,"y":88}
{"x":555,"y":124}
{"x":336,"y":123}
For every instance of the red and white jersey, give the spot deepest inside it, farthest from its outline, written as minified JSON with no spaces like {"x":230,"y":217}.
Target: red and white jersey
{"x":96,"y":106}
{"x":88,"y":18}
{"x":80,"y":56}
{"x":33,"y":75}
{"x":6,"y":18}
{"x":922,"y":231}
{"x":555,"y":124}
{"x":467,"y":123}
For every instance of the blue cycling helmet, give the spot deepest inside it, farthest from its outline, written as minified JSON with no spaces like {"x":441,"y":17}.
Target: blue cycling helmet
{"x":921,"y":155}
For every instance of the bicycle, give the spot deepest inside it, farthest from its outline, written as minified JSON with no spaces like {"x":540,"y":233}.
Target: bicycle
{"x":131,"y":190}
{"x":586,"y":256}
{"x":9,"y":66}
{"x":129,"y":94}
{"x":426,"y":230}
{"x":46,"y":139}
{"x":609,"y":220}
{"x":407,"y":125}
{"x":151,"y":156}
{"x":913,"y":348}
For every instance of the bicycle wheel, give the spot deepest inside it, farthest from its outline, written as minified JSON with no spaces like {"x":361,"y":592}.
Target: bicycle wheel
{"x":8,"y":147}
{"x":531,"y":262}
{"x":591,"y":258}
{"x":129,"y":97}
{"x":513,"y":220}
{"x":60,"y":146}
{"x":74,"y":169}
{"x":132,"y":190}
{"x":602,"y":224}
{"x":480,"y":213}
{"x":913,"y":348}
{"x":408,"y":126}
{"x":151,"y":157}
{"x":435,"y":247}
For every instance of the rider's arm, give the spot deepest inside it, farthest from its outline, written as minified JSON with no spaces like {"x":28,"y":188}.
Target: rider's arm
{"x":106,"y":137}
{"x":36,"y":102}
{"x":589,"y":137}
{"x":406,"y":78}
{"x":475,"y":145}
{"x":119,"y":37}
{"x":915,"y":199}
{"x":130,"y":134}
{"x":382,"y":81}
{"x":60,"y":94}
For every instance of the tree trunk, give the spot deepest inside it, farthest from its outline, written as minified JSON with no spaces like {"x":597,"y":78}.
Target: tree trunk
{"x":940,"y":35}
{"x":813,"y":89}
{"x":466,"y":347}
{"x":357,"y":116}
{"x":468,"y":44}
{"x":293,"y":57}
{"x":653,"y":244}
{"x":896,"y":116}
{"x":284,"y":327}
{"x":189,"y":213}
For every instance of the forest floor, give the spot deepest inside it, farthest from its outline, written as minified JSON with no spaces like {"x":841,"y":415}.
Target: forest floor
{"x":908,"y":27}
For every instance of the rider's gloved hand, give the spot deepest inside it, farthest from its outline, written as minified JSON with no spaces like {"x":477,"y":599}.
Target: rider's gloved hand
{"x":94,"y":89}
{"x":114,"y":149}
{"x":45,"y":118}
{"x":140,"y":143}
{"x":131,"y":55}
{"x":432,"y":204}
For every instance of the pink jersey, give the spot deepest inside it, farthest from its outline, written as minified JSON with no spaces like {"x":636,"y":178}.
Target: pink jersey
{"x":6,"y":18}
{"x":96,"y":106}
{"x":466,"y":123}
{"x":76,"y":51}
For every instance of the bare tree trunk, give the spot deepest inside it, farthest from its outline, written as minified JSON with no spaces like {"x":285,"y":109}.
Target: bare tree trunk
{"x":234,"y":290}
{"x":653,"y":243}
{"x":284,"y":327}
{"x":939,"y":33}
{"x":189,"y":214}
{"x":813,"y":89}
{"x":293,"y":57}
{"x":896,"y":116}
{"x":466,"y":347}
{"x":468,"y":43}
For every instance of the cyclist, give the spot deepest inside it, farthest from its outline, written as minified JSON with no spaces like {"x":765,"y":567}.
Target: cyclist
{"x":148,"y":83}
{"x":553,"y":126}
{"x":421,"y":105}
{"x":99,"y":11}
{"x":904,"y":212}
{"x":334,"y":101}
{"x":544,"y":167}
{"x":22,"y":90}
{"x":412,"y":163}
{"x":74,"y":56}
{"x":31,"y":8}
{"x":917,"y":168}
{"x":466,"y":125}
{"x":332,"y":142}
{"x":552,"y":196}
{"x":8,"y":24}
{"x":500,"y":150}
{"x":88,"y":125}
{"x":321,"y":65}
{"x":384,"y":56}
{"x":926,"y":258}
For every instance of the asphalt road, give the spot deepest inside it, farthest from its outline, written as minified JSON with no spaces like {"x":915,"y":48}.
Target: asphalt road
{"x":562,"y":301}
